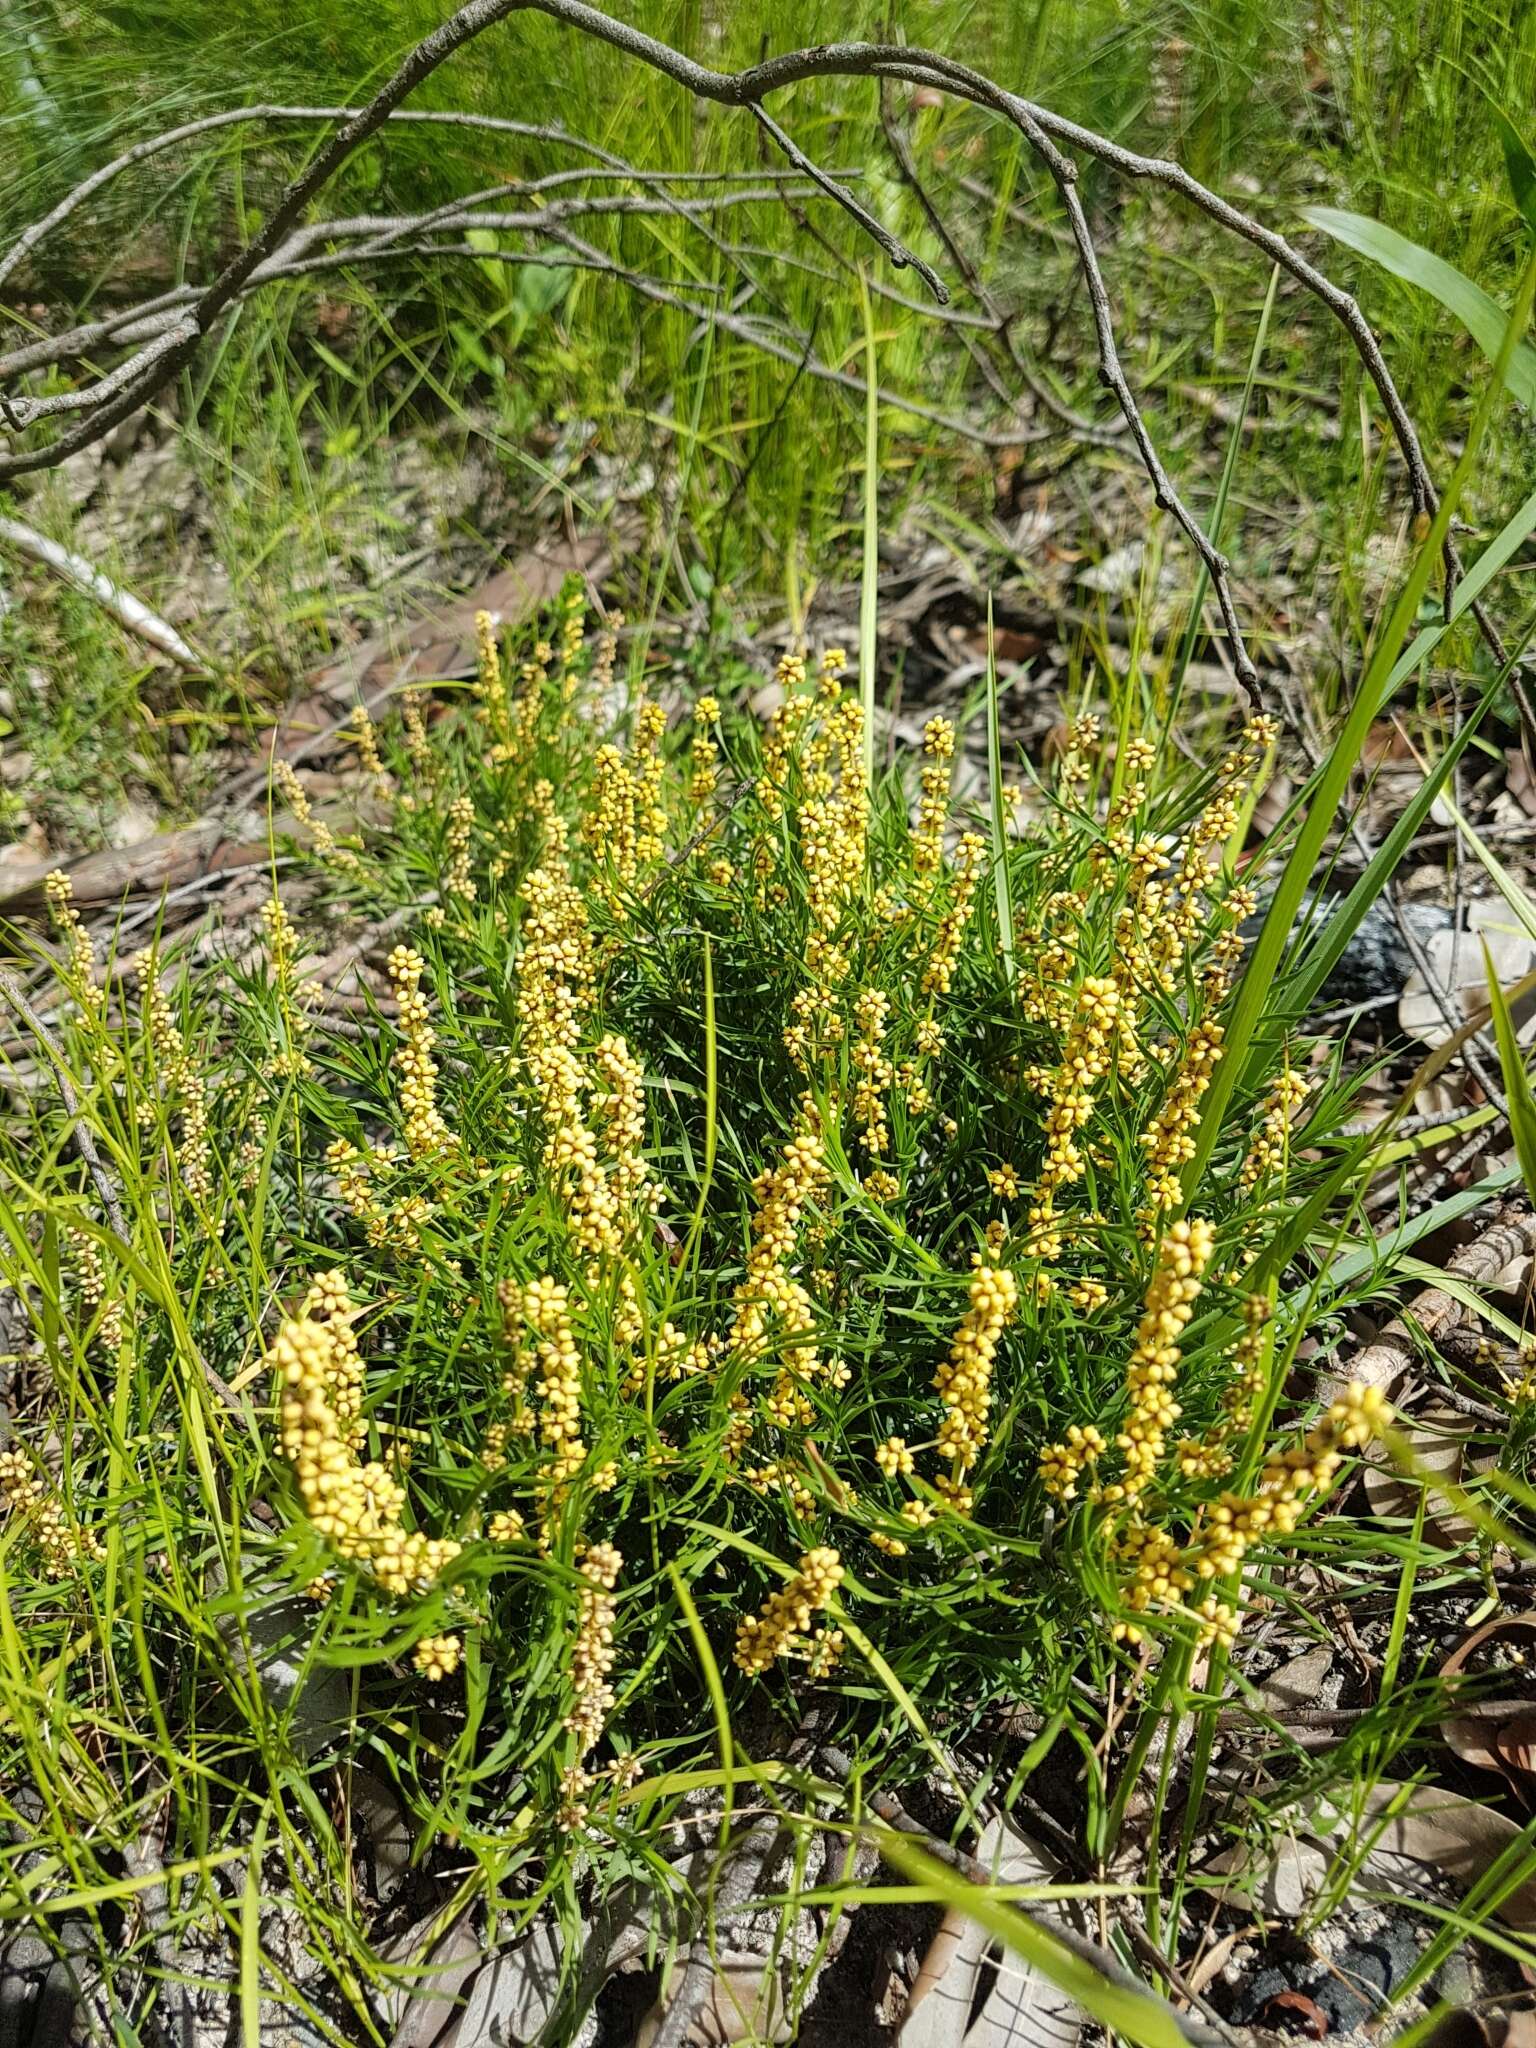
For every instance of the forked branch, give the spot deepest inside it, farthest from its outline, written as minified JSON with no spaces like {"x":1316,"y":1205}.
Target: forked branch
{"x":164,"y":334}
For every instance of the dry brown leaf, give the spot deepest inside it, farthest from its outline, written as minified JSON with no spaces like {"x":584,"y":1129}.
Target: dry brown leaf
{"x":1496,"y":1734}
{"x":1434,"y":1837}
{"x":1023,"y":2009}
{"x":1437,"y":1438}
{"x":1456,"y":960}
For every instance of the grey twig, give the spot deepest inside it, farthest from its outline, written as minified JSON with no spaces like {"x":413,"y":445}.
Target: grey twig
{"x":106,"y":1187}
{"x":1049,"y":135}
{"x":903,"y":257}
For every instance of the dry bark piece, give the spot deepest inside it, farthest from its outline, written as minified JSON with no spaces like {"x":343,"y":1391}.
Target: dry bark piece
{"x":1384,"y":1362}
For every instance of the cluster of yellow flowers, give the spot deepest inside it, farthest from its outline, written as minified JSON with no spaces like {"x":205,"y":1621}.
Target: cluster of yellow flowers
{"x":1092,"y":1040}
{"x":546,"y":1311}
{"x":183,"y":1081}
{"x":769,"y":1298}
{"x":91,"y":1284}
{"x":357,"y":1507}
{"x":933,"y":803}
{"x":425,"y":1130}
{"x":366,"y":736}
{"x":1182,"y":1257}
{"x":290,"y":1061}
{"x":939,"y":972}
{"x":592,"y":1652}
{"x":964,"y":1380}
{"x":873,"y":1071}
{"x":28,"y":1496}
{"x":327,"y":845}
{"x":783,"y":1627}
{"x":1272,"y":1139}
{"x":458,"y":881}
{"x":79,"y":969}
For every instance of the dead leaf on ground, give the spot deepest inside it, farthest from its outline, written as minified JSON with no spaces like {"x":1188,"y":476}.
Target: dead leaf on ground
{"x":1023,"y":2009}
{"x":1438,"y":1440}
{"x":1431,"y":1839}
{"x":1456,"y":961}
{"x":1297,"y":2010}
{"x":1495,"y":1734}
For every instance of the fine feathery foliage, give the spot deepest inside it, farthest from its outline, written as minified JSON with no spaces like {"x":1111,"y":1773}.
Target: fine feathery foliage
{"x":714,"y":1252}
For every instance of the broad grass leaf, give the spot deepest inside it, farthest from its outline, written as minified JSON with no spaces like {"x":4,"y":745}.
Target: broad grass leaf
{"x":1521,"y":167}
{"x":1483,"y":317}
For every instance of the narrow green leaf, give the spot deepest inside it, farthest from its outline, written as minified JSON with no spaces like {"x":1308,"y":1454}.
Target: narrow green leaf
{"x":1483,"y":317}
{"x":1254,"y":991}
{"x":1520,"y":165}
{"x":1000,"y":878}
{"x":1517,"y":1081}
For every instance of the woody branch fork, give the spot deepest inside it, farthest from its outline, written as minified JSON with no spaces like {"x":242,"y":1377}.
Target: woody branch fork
{"x":1055,"y":141}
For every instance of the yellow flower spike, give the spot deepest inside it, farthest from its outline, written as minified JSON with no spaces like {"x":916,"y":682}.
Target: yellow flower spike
{"x":933,"y":804}
{"x":592,"y":1652}
{"x":782,"y":1628}
{"x":79,"y":970}
{"x":184,"y":1082}
{"x":964,"y":1380}
{"x":425,"y":1130}
{"x":457,"y":880}
{"x":356,"y":1507}
{"x":437,"y":1657}
{"x":1182,"y":1256}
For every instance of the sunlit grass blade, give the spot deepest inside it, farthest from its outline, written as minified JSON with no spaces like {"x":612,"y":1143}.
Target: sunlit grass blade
{"x":1001,"y":883}
{"x":1254,"y":992}
{"x":1518,"y":1093}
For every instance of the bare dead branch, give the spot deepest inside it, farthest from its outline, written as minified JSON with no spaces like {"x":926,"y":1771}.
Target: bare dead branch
{"x":270,"y":253}
{"x":129,"y":611}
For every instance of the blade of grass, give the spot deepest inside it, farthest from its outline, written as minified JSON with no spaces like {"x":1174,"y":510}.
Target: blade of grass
{"x":1517,"y":1081}
{"x":1000,"y":878}
{"x":869,"y":588}
{"x":1258,"y":981}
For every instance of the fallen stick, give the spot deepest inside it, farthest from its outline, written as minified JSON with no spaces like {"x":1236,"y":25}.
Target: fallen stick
{"x":1434,"y":1313}
{"x":131,"y":614}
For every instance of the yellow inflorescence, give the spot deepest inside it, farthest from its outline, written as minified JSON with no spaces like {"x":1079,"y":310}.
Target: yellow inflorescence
{"x":873,"y":1072}
{"x":326,"y":843}
{"x":1167,"y":1140}
{"x":1182,"y":1257}
{"x":26,"y":1495}
{"x":184,"y":1082}
{"x":783,"y":1626}
{"x":1061,"y":1465}
{"x":964,"y":1380}
{"x":933,"y":804}
{"x":1087,"y":1056}
{"x":939,"y":973}
{"x":457,"y":879}
{"x":1272,"y":1141}
{"x":437,"y":1657}
{"x":80,"y":965}
{"x":357,"y":1507}
{"x":592,"y":1652}
{"x":425,"y":1130}
{"x":546,"y":1309}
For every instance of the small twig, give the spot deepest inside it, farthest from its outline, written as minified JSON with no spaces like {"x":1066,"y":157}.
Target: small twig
{"x":133,"y":615}
{"x":897,"y":250}
{"x":106,"y":1187}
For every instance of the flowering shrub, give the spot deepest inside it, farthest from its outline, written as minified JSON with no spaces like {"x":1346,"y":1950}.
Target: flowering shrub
{"x":755,"y":1234}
